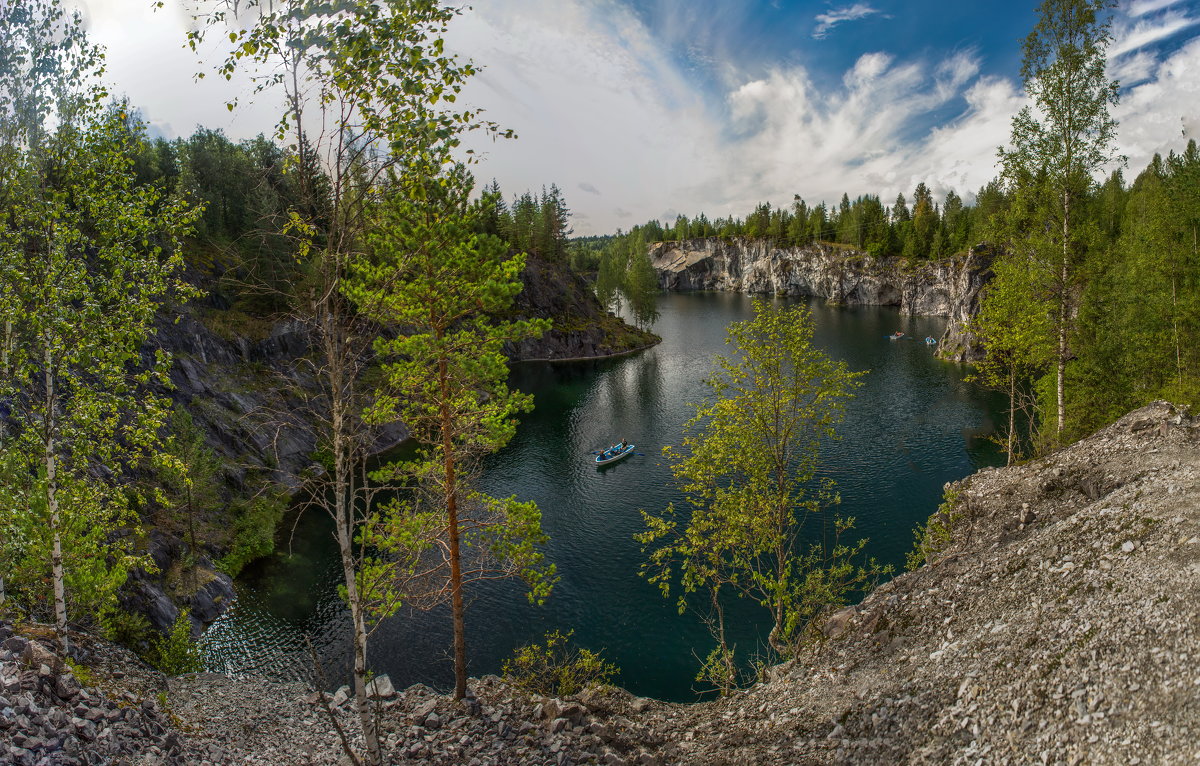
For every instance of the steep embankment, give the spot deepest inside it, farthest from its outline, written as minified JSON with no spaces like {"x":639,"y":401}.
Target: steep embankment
{"x":1058,"y":624}
{"x":948,"y":287}
{"x":582,"y":328}
{"x":237,"y":374}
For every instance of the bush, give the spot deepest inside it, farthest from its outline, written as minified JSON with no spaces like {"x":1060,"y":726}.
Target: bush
{"x":128,"y":629}
{"x":176,"y":652}
{"x":937,"y":534}
{"x":254,"y":528}
{"x":555,"y":668}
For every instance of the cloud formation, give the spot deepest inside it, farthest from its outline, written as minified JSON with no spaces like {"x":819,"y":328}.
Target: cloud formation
{"x":830,"y":19}
{"x":1128,"y":37}
{"x":1142,"y":7}
{"x":628,"y":119}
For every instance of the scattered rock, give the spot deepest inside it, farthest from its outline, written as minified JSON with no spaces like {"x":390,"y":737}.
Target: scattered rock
{"x":381,"y":687}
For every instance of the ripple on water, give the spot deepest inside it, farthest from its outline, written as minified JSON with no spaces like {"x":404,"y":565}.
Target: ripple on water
{"x":914,"y":425}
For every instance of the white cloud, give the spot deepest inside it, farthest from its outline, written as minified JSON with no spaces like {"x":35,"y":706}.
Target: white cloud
{"x":859,"y":140}
{"x":147,"y":61}
{"x":1142,"y":7}
{"x":1139,"y":34}
{"x":620,"y":116}
{"x":603,"y":108}
{"x":827,"y":21}
{"x":1162,"y":113}
{"x":594,"y":100}
{"x":1132,"y":69}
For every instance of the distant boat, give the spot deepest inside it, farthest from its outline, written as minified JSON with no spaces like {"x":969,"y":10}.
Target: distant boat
{"x":614,"y":453}
{"x":929,"y":341}
{"x":896,"y":335}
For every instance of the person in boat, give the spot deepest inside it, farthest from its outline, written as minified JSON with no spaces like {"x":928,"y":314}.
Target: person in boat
{"x":624,"y":444}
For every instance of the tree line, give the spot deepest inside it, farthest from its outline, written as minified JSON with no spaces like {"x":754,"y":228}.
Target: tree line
{"x":1094,"y":308}
{"x":924,"y":228}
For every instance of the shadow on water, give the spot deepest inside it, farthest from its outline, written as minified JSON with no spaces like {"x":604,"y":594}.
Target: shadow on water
{"x":915,"y":424}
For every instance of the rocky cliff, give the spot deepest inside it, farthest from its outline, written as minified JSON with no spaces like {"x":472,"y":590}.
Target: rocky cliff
{"x":1056,"y":622}
{"x":237,"y":375}
{"x":948,"y":287}
{"x":582,"y":328}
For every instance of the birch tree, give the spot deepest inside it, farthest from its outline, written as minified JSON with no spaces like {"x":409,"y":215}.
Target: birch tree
{"x":87,"y":257}
{"x":367,"y":89}
{"x":748,"y":464}
{"x":1058,"y":144}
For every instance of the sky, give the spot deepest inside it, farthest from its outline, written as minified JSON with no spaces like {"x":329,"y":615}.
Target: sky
{"x":643,"y":109}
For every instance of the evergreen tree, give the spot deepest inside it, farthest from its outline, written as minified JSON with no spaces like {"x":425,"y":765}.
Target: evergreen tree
{"x":610,"y":281}
{"x":431,"y":273}
{"x":919,"y":242}
{"x":641,"y":284}
{"x":1057,"y":145}
{"x":955,"y":224}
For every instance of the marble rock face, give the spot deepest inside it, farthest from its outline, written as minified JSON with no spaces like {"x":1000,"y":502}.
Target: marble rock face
{"x":949,"y":287}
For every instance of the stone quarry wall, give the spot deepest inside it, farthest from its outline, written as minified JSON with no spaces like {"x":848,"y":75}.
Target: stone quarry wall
{"x":948,"y":288}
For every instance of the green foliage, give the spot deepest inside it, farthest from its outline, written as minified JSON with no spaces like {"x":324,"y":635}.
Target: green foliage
{"x":88,"y":254}
{"x":865,"y":224}
{"x":176,"y":653}
{"x":1139,"y":320}
{"x":81,"y":672}
{"x":431,"y":271}
{"x":748,"y":465}
{"x":720,"y":671}
{"x":130,"y":630}
{"x":937,"y":534}
{"x":556,"y":668}
{"x":1057,"y":145}
{"x":190,"y":473}
{"x":255,"y":522}
{"x":538,"y":226}
{"x":1018,"y":340}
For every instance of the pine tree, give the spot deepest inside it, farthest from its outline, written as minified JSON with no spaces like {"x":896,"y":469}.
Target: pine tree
{"x":445,"y":379}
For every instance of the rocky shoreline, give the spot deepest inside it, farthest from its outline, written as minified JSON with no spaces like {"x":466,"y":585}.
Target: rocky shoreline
{"x":236,"y":375}
{"x":948,"y":288}
{"x":1057,"y":622}
{"x":130,"y":713}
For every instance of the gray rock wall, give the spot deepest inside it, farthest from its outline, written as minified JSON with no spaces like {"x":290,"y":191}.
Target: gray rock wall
{"x":948,"y":287}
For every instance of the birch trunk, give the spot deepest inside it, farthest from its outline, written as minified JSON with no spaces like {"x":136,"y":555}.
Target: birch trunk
{"x":56,"y":556}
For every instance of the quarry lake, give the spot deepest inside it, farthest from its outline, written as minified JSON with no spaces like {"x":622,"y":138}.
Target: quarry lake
{"x":915,"y":424}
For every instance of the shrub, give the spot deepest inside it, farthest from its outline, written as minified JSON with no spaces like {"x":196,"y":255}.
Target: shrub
{"x":176,"y":652}
{"x":128,"y":629}
{"x":937,"y":534}
{"x":556,"y":668}
{"x":254,"y":528}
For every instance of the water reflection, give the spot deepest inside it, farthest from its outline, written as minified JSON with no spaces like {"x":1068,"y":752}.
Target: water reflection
{"x":915,"y":424}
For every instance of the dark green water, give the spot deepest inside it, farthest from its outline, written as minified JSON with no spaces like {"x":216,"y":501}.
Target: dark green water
{"x":915,"y":425}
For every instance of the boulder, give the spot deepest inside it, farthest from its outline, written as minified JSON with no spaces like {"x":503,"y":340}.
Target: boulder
{"x":381,"y":687}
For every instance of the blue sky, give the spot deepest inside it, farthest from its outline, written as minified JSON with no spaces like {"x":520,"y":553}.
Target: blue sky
{"x":648,"y":108}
